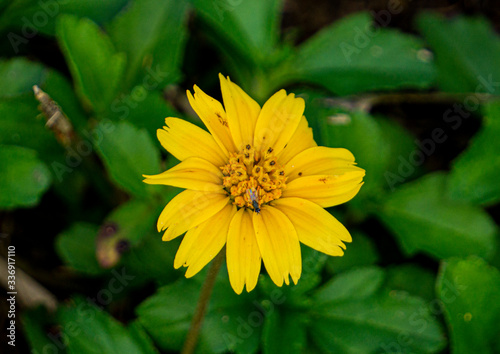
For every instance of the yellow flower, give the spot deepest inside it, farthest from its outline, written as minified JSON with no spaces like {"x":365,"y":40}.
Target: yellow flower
{"x":256,"y":183}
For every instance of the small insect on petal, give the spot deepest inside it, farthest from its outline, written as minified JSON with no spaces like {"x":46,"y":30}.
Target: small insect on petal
{"x":252,"y":195}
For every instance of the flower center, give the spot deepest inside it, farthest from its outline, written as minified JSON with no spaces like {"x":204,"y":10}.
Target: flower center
{"x":253,"y":178}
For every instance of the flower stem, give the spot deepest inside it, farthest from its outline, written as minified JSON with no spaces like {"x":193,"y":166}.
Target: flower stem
{"x":199,"y":314}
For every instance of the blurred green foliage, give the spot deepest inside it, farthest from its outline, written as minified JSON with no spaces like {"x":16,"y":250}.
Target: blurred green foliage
{"x":384,"y":295}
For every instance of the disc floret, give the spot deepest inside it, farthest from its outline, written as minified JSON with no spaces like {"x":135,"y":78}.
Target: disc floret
{"x":253,"y":178}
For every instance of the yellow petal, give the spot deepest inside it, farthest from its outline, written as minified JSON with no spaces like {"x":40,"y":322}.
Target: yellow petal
{"x":241,"y":111}
{"x":315,"y":227}
{"x":301,"y":140}
{"x":242,"y":252}
{"x":278,"y":244}
{"x":183,"y":140}
{"x":189,"y":209}
{"x":191,"y":215}
{"x":326,"y":190}
{"x":193,"y":173}
{"x":320,"y":160}
{"x":177,"y":202}
{"x":213,"y":116}
{"x":277,"y":121}
{"x":202,"y":243}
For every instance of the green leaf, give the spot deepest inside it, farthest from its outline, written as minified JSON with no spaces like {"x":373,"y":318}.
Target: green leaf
{"x":402,"y":145}
{"x":357,"y":284}
{"x":394,"y":323}
{"x":254,"y":26}
{"x":152,"y":259}
{"x":361,"y":252}
{"x":77,"y":248}
{"x":34,"y":322}
{"x":128,"y":153}
{"x":154,"y":51}
{"x":413,"y":279}
{"x":294,"y":296}
{"x":312,"y":264}
{"x":470,"y":293}
{"x":140,"y":336}
{"x":132,"y":242}
{"x":423,"y":219}
{"x":21,"y":121}
{"x":134,"y":219}
{"x":247,"y":34}
{"x":284,"y":332}
{"x":467,"y":65}
{"x":33,"y":16}
{"x":24,"y":177}
{"x":19,"y":75}
{"x":341,"y":129}
{"x":353,"y":56}
{"x":234,"y":327}
{"x":19,"y":125}
{"x":168,"y":325}
{"x":351,"y":308}
{"x":22,"y":124}
{"x":474,"y":174}
{"x":89,"y":329}
{"x":125,"y":227}
{"x":232,"y":323}
{"x":148,"y":113}
{"x":381,"y":153}
{"x":97,"y":80}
